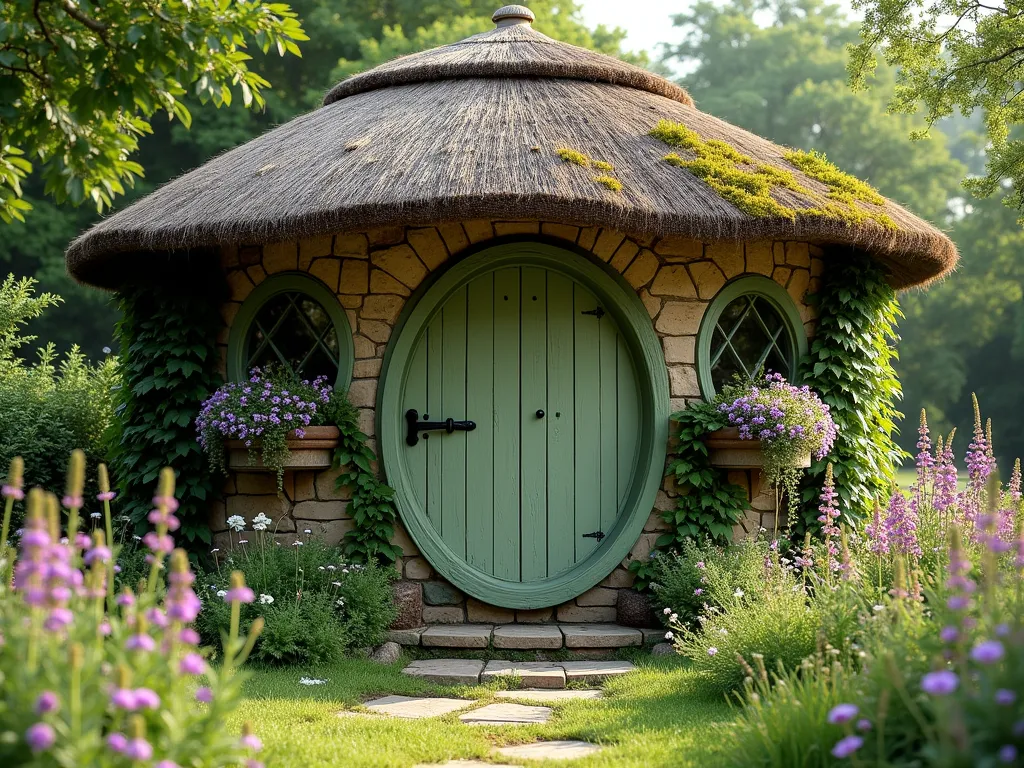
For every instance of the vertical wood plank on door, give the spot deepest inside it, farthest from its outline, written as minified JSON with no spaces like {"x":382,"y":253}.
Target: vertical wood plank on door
{"x":453,"y":406}
{"x":416,"y":397}
{"x":560,"y":425}
{"x":506,"y":424}
{"x":480,"y":408}
{"x":588,"y":420}
{"x":533,"y":451}
{"x":608,"y":415}
{"x":629,"y":420}
{"x":431,"y":441}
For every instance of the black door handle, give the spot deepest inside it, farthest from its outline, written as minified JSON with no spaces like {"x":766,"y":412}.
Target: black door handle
{"x":540,"y":414}
{"x":415,"y":426}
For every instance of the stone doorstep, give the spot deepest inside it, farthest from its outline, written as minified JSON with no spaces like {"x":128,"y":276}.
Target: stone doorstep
{"x":591,"y":672}
{"x":446,"y":671}
{"x":532,"y":674}
{"x":505,"y":713}
{"x":549,"y":696}
{"x":457,"y":636}
{"x":527,"y":636}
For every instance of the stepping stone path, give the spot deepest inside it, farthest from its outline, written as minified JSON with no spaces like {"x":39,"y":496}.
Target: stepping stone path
{"x":549,"y":750}
{"x":527,"y":636}
{"x":415,"y":708}
{"x":532,"y":674}
{"x":507,"y":714}
{"x":533,"y":694}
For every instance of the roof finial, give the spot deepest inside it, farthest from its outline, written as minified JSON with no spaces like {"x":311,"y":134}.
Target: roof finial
{"x":508,"y":15}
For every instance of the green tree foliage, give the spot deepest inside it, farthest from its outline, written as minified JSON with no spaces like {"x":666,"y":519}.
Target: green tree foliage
{"x":784,"y":77}
{"x":954,"y":55}
{"x":80,"y":81}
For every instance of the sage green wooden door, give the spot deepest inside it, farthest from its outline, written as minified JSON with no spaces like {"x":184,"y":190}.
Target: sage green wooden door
{"x":537,"y":363}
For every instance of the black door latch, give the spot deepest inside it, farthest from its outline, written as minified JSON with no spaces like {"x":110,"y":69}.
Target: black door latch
{"x":598,"y":312}
{"x":595,"y":535}
{"x":415,"y":426}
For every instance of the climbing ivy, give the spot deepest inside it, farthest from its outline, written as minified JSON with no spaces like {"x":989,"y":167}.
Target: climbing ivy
{"x":850,"y":365}
{"x":372,"y":506}
{"x":709,"y":505}
{"x":168,"y":366}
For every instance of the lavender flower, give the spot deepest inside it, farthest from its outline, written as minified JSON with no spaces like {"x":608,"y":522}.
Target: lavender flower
{"x":877,"y":534}
{"x":1005,"y":697}
{"x":47,"y":701}
{"x":988,"y":652}
{"x":40,"y":737}
{"x":944,"y":476}
{"x":941,"y":683}
{"x":842,"y":713}
{"x":846,"y":746}
{"x":901,"y":526}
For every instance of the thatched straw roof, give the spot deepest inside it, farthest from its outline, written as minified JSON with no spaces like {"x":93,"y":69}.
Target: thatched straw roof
{"x":471,"y":130}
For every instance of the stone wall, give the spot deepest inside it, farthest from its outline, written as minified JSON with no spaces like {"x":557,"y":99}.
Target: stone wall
{"x":373,"y":274}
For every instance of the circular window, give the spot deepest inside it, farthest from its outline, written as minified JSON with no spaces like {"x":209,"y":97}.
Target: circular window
{"x":294,"y":321}
{"x":751,"y":327}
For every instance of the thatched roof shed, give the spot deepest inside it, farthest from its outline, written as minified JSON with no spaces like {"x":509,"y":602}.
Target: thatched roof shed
{"x":472,"y":130}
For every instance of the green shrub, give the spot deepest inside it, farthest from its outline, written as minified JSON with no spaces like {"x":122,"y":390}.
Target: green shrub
{"x":52,"y":406}
{"x":316,"y":606}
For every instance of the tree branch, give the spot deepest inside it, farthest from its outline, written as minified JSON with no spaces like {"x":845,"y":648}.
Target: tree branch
{"x":71,"y":10}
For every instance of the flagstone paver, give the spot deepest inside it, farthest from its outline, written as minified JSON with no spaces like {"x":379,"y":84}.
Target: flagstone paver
{"x":505,"y":713}
{"x":406,"y":636}
{"x":600,"y":636}
{"x":415,"y":708}
{"x":447,"y":671}
{"x":533,"y":694}
{"x":457,"y":636}
{"x":532,"y":674}
{"x":591,"y":672}
{"x":549,"y":750}
{"x":527,"y":636}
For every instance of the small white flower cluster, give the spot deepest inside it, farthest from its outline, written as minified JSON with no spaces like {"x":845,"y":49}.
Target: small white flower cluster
{"x":261,"y":522}
{"x":266,"y":599}
{"x":236,"y":523}
{"x":311,"y":681}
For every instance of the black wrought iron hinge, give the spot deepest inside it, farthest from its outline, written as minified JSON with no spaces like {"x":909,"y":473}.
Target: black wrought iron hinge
{"x":595,"y":535}
{"x":598,"y":312}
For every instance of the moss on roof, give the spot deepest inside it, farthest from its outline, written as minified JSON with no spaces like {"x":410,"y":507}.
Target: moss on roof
{"x":575,"y":157}
{"x":610,"y":182}
{"x":748,"y":185}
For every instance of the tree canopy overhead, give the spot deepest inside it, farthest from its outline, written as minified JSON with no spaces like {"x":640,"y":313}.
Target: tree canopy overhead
{"x":952,"y":55}
{"x":81,"y":79}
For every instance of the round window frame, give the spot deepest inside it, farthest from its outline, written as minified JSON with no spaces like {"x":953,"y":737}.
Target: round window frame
{"x":756,"y":285}
{"x":275,"y":285}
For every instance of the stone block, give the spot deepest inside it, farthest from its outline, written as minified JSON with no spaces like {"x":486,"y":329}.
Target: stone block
{"x":386,"y":653}
{"x":642,"y":270}
{"x":593,"y":672}
{"x":482,"y":613}
{"x":274,"y":507}
{"x":618,"y":579}
{"x":281,"y":257}
{"x":363,"y":393}
{"x":817,"y":267}
{"x":363,"y":347}
{"x":418,"y":568}
{"x":633,"y":609}
{"x":386,"y":235}
{"x":366,"y":369}
{"x":527,"y":636}
{"x":607,"y":243}
{"x":354,"y":276}
{"x":454,"y":237}
{"x":446,"y":671}
{"x":320,"y":510}
{"x":531,"y":694}
{"x":401,"y":263}
{"x":561,"y":231}
{"x":375,"y":330}
{"x":781,"y":275}
{"x":441,"y":593}
{"x":576,"y":613}
{"x":587,"y":238}
{"x":325,"y":485}
{"x":249,"y":255}
{"x":708,"y":278}
{"x":759,"y":258}
{"x":798,"y":255}
{"x":680,"y":318}
{"x":351,"y":246}
{"x":798,"y":284}
{"x":327,"y":270}
{"x":683,"y":381}
{"x":598,"y":596}
{"x":651,"y":303}
{"x":507,"y":713}
{"x":239,"y":285}
{"x":550,"y":750}
{"x":256,"y":483}
{"x":444,"y":614}
{"x":409,"y":602}
{"x":535,"y":616}
{"x":331,"y":531}
{"x":415,"y":708}
{"x":257,"y":274}
{"x":384,"y":307}
{"x":623,"y":255}
{"x":728,"y":257}
{"x":478,"y":230}
{"x":367,"y":420}
{"x":313,"y":248}
{"x":429,"y":246}
{"x":682,"y":248}
{"x":406,"y":636}
{"x":674,"y":280}
{"x":642,"y":549}
{"x":403,"y":540}
{"x":532,"y":674}
{"x":516,"y":228}
{"x":600,"y":636}
{"x":383,"y":283}
{"x":458,"y":636}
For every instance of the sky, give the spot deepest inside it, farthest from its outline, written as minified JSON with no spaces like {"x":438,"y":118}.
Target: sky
{"x":648,"y":22}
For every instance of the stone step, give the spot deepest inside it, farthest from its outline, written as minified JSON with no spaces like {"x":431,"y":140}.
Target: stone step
{"x":526,"y":637}
{"x":532,"y":674}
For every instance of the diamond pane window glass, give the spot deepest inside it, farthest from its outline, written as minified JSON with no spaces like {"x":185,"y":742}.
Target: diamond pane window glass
{"x":751,"y":336}
{"x":294,"y":330}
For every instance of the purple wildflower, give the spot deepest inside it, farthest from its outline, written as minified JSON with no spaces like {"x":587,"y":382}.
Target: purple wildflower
{"x":846,"y":746}
{"x":1007,"y":753}
{"x":988,"y":652}
{"x":842,"y":713}
{"x":941,"y":683}
{"x":1005,"y":697}
{"x":47,"y":701}
{"x":192,"y":664}
{"x":877,"y":534}
{"x":901,"y":526}
{"x":138,"y":749}
{"x":117,"y":742}
{"x":204,"y":694}
{"x":40,"y":737}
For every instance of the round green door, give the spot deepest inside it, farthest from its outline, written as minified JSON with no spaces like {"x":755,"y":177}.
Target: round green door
{"x":521,"y":424}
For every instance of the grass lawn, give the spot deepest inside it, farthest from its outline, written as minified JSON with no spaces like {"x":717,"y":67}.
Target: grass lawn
{"x":653,"y":717}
